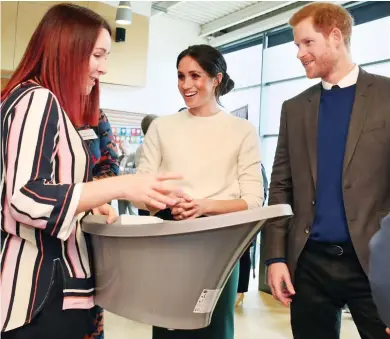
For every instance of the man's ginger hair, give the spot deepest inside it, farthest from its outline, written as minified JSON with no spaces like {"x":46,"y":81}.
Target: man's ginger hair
{"x":326,"y":17}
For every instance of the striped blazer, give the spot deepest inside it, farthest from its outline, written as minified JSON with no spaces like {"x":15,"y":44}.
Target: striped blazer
{"x":44,"y":163}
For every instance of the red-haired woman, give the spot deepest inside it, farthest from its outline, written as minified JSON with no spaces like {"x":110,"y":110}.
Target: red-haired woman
{"x":46,"y":178}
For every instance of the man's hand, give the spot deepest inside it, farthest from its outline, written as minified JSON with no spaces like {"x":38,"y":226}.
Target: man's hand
{"x":388,"y":331}
{"x":107,"y":210}
{"x":279,"y":280}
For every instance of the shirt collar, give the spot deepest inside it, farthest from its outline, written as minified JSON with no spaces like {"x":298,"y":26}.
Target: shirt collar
{"x":349,"y":80}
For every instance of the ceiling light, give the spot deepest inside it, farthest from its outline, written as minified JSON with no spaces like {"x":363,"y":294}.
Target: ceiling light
{"x":124,"y":13}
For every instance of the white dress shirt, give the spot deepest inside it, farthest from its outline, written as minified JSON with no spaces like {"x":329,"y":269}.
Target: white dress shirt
{"x":349,"y":80}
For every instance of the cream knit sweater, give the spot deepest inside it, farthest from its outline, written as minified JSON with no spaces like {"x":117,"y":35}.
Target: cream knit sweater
{"x":219,"y":156}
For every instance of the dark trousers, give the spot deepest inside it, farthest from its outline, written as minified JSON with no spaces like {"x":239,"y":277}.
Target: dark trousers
{"x":245,"y":271}
{"x":54,"y":323}
{"x":143,"y":212}
{"x":328,"y":277}
{"x":222,"y":321}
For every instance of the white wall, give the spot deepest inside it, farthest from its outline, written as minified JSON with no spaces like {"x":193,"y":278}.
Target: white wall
{"x":167,"y":38}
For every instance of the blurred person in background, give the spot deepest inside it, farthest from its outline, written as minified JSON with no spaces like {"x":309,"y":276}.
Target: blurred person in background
{"x":145,"y":123}
{"x":126,"y":166}
{"x":106,"y":164}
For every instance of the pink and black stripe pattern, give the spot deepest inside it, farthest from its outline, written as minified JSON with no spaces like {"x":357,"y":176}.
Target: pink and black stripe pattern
{"x":44,"y":164}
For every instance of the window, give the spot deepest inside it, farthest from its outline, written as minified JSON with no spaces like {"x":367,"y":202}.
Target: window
{"x":382,"y":68}
{"x":284,"y":78}
{"x":281,"y":62}
{"x":268,"y":148}
{"x":273,"y":96}
{"x":368,"y":44}
{"x":244,"y":66}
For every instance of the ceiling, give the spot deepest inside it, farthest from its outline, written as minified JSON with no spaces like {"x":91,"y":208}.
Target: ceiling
{"x":221,"y":17}
{"x":139,"y":7}
{"x":200,"y":12}
{"x":222,"y":21}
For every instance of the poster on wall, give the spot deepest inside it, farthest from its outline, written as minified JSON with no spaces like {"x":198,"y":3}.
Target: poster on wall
{"x":241,"y":112}
{"x":132,"y":134}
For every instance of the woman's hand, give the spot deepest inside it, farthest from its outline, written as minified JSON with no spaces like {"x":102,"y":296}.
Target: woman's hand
{"x":140,"y":189}
{"x":151,"y":190}
{"x":180,"y":206}
{"x":108,"y":211}
{"x":188,"y":208}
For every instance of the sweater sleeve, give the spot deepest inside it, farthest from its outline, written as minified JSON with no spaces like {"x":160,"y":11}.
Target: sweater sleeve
{"x":34,"y":198}
{"x":249,"y":170}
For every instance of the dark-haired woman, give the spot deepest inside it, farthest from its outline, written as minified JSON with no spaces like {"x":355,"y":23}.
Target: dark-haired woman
{"x":219,"y":156}
{"x":105,"y":159}
{"x":47,"y":283}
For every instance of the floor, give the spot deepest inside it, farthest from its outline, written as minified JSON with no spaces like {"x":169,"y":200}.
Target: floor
{"x":259,"y":317}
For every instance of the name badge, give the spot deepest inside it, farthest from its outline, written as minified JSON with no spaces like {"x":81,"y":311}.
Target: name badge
{"x":88,"y":134}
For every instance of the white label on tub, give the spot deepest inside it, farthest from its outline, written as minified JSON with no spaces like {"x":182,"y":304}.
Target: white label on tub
{"x":206,"y":301}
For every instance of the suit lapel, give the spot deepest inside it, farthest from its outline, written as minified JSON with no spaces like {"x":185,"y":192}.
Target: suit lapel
{"x":311,"y":128}
{"x":359,"y":114}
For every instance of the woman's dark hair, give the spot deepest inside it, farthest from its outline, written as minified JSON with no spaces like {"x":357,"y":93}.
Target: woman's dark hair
{"x":212,"y":62}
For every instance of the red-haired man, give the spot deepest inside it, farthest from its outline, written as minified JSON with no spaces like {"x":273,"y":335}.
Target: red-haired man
{"x":331,"y":165}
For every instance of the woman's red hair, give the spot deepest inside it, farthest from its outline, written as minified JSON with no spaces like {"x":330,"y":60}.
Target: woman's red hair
{"x":58,"y":55}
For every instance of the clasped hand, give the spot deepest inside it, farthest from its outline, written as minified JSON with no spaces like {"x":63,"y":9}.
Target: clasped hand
{"x":188,"y":208}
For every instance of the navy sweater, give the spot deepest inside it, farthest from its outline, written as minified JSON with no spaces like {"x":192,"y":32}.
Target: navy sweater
{"x":330,"y":224}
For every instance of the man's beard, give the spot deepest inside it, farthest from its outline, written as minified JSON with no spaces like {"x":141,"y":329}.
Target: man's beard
{"x":324,"y":65}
